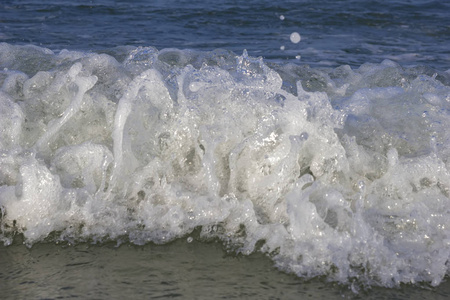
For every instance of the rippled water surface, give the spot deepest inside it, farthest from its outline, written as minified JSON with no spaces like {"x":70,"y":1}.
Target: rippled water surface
{"x":178,"y":270}
{"x":333,"y":32}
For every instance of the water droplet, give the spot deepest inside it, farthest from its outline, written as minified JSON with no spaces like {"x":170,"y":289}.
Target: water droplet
{"x":281,"y":17}
{"x":295,"y":37}
{"x":282,"y":48}
{"x":298,"y":57}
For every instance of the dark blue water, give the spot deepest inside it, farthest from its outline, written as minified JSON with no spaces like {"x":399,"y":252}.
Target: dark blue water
{"x":332,"y":32}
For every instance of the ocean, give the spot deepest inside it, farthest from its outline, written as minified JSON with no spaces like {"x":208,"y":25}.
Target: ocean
{"x":234,"y":149}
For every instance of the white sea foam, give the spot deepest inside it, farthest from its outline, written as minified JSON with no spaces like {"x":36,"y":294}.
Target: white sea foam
{"x":335,"y":172}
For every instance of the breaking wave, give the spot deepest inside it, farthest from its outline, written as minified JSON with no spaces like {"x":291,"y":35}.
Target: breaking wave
{"x":334,"y":172}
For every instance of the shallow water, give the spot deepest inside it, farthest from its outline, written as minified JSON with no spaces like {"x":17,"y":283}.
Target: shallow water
{"x":184,"y":270}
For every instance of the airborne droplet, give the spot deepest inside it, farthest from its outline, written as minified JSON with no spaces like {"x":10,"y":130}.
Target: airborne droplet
{"x":295,"y":37}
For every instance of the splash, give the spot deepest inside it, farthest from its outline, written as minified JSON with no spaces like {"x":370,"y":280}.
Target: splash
{"x":332,"y":172}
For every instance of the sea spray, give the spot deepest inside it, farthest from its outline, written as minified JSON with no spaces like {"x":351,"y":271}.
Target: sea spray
{"x":337,"y":172}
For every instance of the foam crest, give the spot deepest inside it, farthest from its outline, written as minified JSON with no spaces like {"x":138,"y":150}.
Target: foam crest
{"x":338,"y":172}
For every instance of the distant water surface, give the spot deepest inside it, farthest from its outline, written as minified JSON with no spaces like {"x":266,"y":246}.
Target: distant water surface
{"x":332,"y":32}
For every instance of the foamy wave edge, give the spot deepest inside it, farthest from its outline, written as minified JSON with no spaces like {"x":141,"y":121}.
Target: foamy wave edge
{"x":337,"y":172}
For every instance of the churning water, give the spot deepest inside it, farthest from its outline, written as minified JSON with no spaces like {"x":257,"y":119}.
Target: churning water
{"x":333,"y":163}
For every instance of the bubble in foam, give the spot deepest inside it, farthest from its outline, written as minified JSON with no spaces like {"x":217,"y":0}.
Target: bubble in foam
{"x":295,"y":37}
{"x":196,"y":86}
